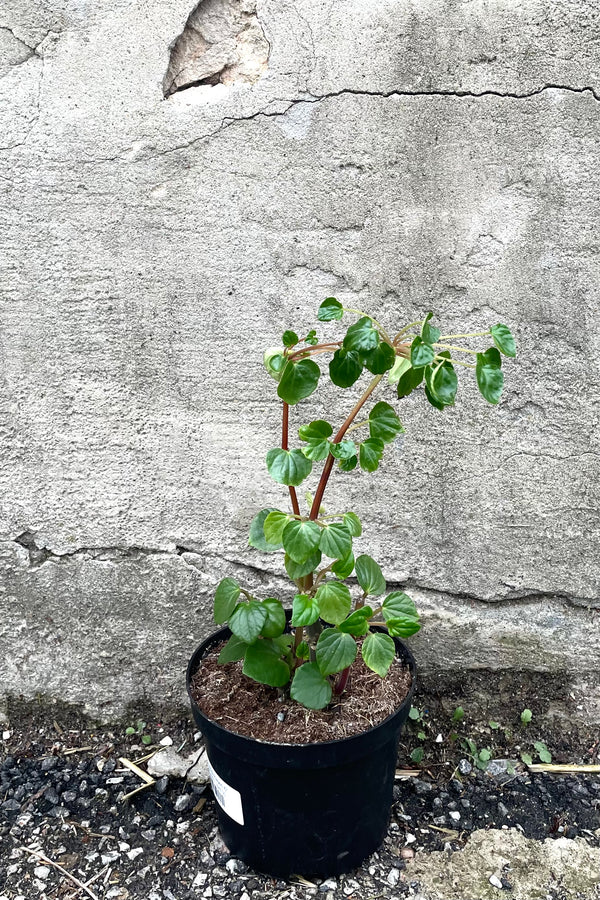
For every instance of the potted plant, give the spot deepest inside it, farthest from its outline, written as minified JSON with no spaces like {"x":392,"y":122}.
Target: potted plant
{"x":301,"y":710}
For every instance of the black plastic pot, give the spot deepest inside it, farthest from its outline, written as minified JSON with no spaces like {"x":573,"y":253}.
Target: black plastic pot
{"x":309,"y":809}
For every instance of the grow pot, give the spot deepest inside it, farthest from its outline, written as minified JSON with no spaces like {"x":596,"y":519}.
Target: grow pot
{"x":310,"y":809}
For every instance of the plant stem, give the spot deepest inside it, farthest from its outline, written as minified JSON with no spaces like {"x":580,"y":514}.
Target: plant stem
{"x":447,"y":337}
{"x":357,"y":425}
{"x":454,"y":347}
{"x":310,"y":351}
{"x":456,"y":362}
{"x":341,"y":681}
{"x":407,"y":328}
{"x":284,"y":446}
{"x":314,"y":511}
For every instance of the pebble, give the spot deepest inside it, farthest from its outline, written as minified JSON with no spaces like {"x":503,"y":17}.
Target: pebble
{"x":183,"y":802}
{"x":465,"y":767}
{"x":330,"y":884}
{"x":393,"y":876}
{"x":455,"y":815}
{"x":41,"y":871}
{"x":166,"y":741}
{"x":495,"y":882}
{"x":49,"y":763}
{"x":137,"y":851}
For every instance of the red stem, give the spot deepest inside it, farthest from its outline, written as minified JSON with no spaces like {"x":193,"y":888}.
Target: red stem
{"x":284,"y":446}
{"x":342,"y":681}
{"x":314,"y":510}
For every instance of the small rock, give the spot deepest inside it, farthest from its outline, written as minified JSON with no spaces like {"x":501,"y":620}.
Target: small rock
{"x":498,"y":767}
{"x":69,"y":797}
{"x":200,"y":879}
{"x":455,"y":815}
{"x":439,"y":739}
{"x":109,"y":857}
{"x":495,"y":882}
{"x":393,"y":876}
{"x":410,"y":838}
{"x":41,"y":871}
{"x":183,"y":802}
{"x":49,"y":763}
{"x":330,"y":884}
{"x":149,"y":834}
{"x":11,"y":805}
{"x":169,"y":762}
{"x":503,"y":810}
{"x":166,"y":741}
{"x":465,"y":767}
{"x":407,"y":853}
{"x":162,"y":784}
{"x":133,"y":854}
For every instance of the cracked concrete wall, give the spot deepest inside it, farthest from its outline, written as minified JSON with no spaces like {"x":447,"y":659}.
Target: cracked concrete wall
{"x":394,"y":154}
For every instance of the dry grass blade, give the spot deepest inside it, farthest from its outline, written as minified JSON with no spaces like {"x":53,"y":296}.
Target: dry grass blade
{"x":304,"y":881}
{"x":407,"y":773}
{"x":559,"y":767}
{"x":142,"y":787}
{"x":140,"y":772}
{"x":449,"y":831}
{"x":76,"y":750}
{"x":49,"y":862}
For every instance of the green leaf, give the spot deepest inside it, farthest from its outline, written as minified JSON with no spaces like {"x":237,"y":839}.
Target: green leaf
{"x":526,"y":716}
{"x":381,"y":359}
{"x":302,"y":650}
{"x":485,"y":755}
{"x":289,"y":338}
{"x":316,"y":435}
{"x":274,"y":362}
{"x":401,"y":366}
{"x":130,"y":730}
{"x":311,"y":337}
{"x":336,"y":541}
{"x":263,"y":663}
{"x":416,"y":755}
{"x":433,"y":399}
{"x":370,"y":576}
{"x":310,"y":688}
{"x":346,"y":465}
{"x":384,"y":424}
{"x":247,"y":620}
{"x":361,"y":336}
{"x":357,"y":622}
{"x":226,"y":598}
{"x":343,"y":567}
{"x":413,"y":714}
{"x":527,"y":758}
{"x":257,"y":534}
{"x":490,"y":378}
{"x":409,"y":380}
{"x":345,"y":367}
{"x":146,"y":739}
{"x":330,"y":309}
{"x":301,"y":539}
{"x":274,"y":526}
{"x":458,"y":714}
{"x":429,"y":333}
{"x":299,"y":570}
{"x":275,"y":622}
{"x":299,"y":380}
{"x":334,"y":601}
{"x":442,"y":383}
{"x":288,"y":466}
{"x":421,"y":354}
{"x":378,"y":651}
{"x":233,"y":650}
{"x":352,"y":523}
{"x":335,"y":651}
{"x":371,"y":452}
{"x":402,"y":626}
{"x":305,"y":611}
{"x":504,"y":340}
{"x":398,"y":604}
{"x":343,"y":450}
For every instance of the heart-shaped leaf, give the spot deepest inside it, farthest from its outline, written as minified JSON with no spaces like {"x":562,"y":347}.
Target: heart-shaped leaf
{"x":378,"y":651}
{"x":361,"y":336}
{"x":421,"y":353}
{"x":352,"y":523}
{"x":345,"y":367}
{"x":336,"y":540}
{"x":233,"y":650}
{"x":335,"y":651}
{"x":330,"y":309}
{"x":384,"y":424}
{"x":289,"y":467}
{"x":370,"y":577}
{"x":301,"y":539}
{"x":343,"y":449}
{"x":357,"y":622}
{"x":310,"y":688}
{"x":305,"y":611}
{"x":226,"y":598}
{"x":370,"y":454}
{"x":490,"y":378}
{"x":334,"y":601}
{"x":257,"y":534}
{"x":381,"y":359}
{"x":504,"y":340}
{"x":263,"y":663}
{"x":298,"y":570}
{"x":247,"y":620}
{"x":409,"y":380}
{"x":274,"y":526}
{"x":275,"y":622}
{"x":316,"y":434}
{"x":398,"y":604}
{"x":298,"y":381}
{"x":429,"y":333}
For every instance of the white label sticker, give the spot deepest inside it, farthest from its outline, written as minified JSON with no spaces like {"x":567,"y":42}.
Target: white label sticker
{"x":227,"y":797}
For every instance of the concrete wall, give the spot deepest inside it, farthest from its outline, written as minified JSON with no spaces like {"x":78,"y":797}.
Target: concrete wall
{"x":401,"y":155}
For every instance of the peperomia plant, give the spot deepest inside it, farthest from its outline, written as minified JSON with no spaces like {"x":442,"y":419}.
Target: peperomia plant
{"x":314,"y":661}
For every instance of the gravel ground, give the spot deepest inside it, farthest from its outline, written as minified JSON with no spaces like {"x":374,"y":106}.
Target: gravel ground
{"x":62,"y":796}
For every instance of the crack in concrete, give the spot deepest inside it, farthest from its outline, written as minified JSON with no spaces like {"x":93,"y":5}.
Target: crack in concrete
{"x":38,"y":555}
{"x":228,"y":121}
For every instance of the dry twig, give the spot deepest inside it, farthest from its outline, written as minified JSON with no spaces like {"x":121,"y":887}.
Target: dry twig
{"x":49,"y":862}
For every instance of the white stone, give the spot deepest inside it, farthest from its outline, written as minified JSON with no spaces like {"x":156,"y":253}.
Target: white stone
{"x":169,"y":762}
{"x":41,"y":871}
{"x":137,"y":851}
{"x":495,"y":882}
{"x":166,"y":741}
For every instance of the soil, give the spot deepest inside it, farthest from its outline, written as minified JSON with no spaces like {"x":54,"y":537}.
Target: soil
{"x":227,"y":696}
